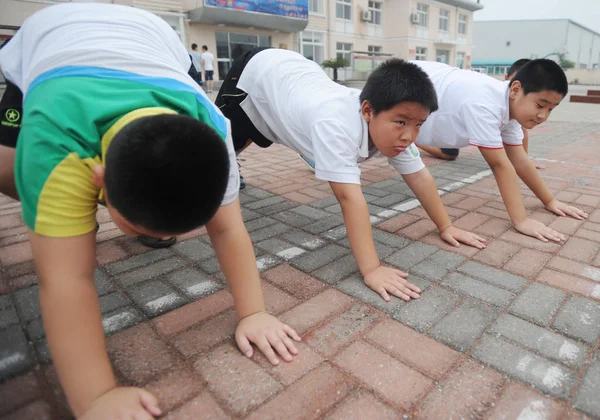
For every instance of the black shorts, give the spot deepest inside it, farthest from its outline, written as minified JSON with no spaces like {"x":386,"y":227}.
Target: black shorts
{"x":451,"y":152}
{"x":229,"y":99}
{"x":209,"y":74}
{"x":11,"y":112}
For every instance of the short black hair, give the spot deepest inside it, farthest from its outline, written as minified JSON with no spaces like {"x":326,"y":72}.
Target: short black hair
{"x":194,"y":46}
{"x":542,"y":74}
{"x":517,"y":65}
{"x":167,"y":173}
{"x":204,"y":47}
{"x":396,"y":81}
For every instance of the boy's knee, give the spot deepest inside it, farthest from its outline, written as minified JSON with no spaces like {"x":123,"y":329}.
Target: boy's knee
{"x":7,"y":172}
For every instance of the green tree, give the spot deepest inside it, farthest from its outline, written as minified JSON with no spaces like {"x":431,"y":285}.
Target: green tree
{"x":564,"y":63}
{"x":335,"y":64}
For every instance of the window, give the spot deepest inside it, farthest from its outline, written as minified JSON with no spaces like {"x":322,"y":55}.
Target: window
{"x":460,"y":60}
{"x":499,"y":70}
{"x":344,"y":50}
{"x":374,"y":49}
{"x":442,"y":56}
{"x":315,"y":6}
{"x":313,"y":46}
{"x":423,"y":14}
{"x":343,"y":9}
{"x":421,"y":53}
{"x":231,"y":45}
{"x":444,"y":18}
{"x":375,"y":9}
{"x":462,"y":24}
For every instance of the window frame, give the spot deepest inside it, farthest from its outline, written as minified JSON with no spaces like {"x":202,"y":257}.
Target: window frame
{"x":462,"y":23}
{"x":445,"y":19}
{"x":346,"y":7}
{"x":423,"y":14}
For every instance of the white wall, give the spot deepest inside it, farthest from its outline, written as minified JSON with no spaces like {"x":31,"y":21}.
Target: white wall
{"x":526,"y":38}
{"x":583,"y":46}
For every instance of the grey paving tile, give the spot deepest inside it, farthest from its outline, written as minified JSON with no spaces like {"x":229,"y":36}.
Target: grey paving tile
{"x":193,"y":283}
{"x":579,"y":318}
{"x":141,"y":260}
{"x":268,"y":232}
{"x":423,"y":313}
{"x":337,"y":270}
{"x":150,"y":271}
{"x":494,"y":276}
{"x":411,"y":255}
{"x":465,"y":324}
{"x":15,"y":354}
{"x":478,"y":289}
{"x":120,"y":319}
{"x":587,"y":399}
{"x":155,"y":297}
{"x":28,"y":303}
{"x":539,"y":303}
{"x":293,"y":219}
{"x":438,"y":265}
{"x":310,"y":261}
{"x":547,"y":343}
{"x":324,"y":224}
{"x":526,"y":366}
{"x":194,"y":250}
{"x":112,"y":301}
{"x":355,"y":286}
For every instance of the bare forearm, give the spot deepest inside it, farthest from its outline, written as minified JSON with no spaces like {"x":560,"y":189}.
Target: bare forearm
{"x":238,"y":263}
{"x":423,"y":185}
{"x":508,"y":185}
{"x":73,"y":324}
{"x":526,"y":170}
{"x":360,"y":234}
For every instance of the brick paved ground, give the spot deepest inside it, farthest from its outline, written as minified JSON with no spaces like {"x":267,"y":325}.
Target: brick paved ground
{"x":511,"y":331}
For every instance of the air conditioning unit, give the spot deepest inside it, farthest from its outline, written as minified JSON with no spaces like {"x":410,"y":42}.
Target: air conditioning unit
{"x":366,"y":16}
{"x":414,"y":18}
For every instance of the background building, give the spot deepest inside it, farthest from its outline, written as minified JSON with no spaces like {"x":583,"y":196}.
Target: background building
{"x":499,"y":43}
{"x":362,"y":31}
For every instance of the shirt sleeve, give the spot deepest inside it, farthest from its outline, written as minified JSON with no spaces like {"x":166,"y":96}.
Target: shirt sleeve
{"x":483,"y":127}
{"x":512,"y":133}
{"x":335,"y":153}
{"x":233,"y":183}
{"x":58,"y":196}
{"x":407,"y":162}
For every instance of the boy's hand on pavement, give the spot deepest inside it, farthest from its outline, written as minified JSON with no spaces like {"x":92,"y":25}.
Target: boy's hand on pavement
{"x":531,"y":227}
{"x":563,"y":209}
{"x":454,"y":235}
{"x":268,"y":333}
{"x":123,"y":403}
{"x":385,"y":280}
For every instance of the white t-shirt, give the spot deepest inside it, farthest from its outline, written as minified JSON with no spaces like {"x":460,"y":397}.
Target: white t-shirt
{"x":292,"y":101}
{"x":473,"y":110}
{"x":208,"y":59}
{"x":109,"y":41}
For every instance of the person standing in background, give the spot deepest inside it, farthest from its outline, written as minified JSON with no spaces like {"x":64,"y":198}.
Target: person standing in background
{"x":195,"y":54}
{"x":207,"y":59}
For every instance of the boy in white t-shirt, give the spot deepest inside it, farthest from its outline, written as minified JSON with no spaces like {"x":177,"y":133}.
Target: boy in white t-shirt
{"x":207,"y":60}
{"x":273,"y":95}
{"x":475,"y":109}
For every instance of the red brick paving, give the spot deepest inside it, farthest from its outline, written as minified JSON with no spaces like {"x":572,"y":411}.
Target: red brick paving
{"x":381,"y":372}
{"x":469,"y":391}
